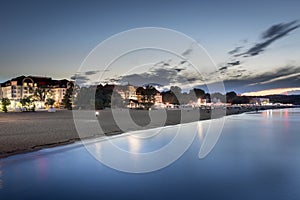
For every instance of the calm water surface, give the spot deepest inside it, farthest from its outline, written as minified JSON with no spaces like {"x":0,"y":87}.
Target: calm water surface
{"x":256,"y":157}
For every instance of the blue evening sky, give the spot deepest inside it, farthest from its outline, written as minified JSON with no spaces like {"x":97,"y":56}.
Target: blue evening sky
{"x":52,"y":38}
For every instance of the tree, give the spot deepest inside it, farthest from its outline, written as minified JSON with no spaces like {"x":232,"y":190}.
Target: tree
{"x":199,"y":93}
{"x":67,"y":99}
{"x":169,"y":97}
{"x":149,"y":96}
{"x":50,"y":102}
{"x":217,"y":96}
{"x":177,"y":95}
{"x":176,"y":90}
{"x":41,"y":93}
{"x":5,"y":102}
{"x":207,"y":97}
{"x":101,"y":98}
{"x":28,"y":103}
{"x":241,"y":100}
{"x":116,"y":100}
{"x":230,"y":96}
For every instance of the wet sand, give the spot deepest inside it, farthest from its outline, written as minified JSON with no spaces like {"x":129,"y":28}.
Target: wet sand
{"x":22,"y":132}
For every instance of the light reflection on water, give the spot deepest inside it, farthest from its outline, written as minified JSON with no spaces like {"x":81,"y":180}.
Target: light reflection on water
{"x":257,"y":157}
{"x":134,"y":144}
{"x":1,"y":178}
{"x":42,"y":168}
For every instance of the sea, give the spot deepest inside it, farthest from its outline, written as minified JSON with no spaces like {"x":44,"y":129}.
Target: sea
{"x":256,"y":156}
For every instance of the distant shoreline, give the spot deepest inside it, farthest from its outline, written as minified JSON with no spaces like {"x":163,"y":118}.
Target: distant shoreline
{"x":32,"y":131}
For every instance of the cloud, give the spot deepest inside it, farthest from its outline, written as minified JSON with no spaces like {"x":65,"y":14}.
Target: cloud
{"x":234,"y":63}
{"x":85,"y":77}
{"x":223,"y":68}
{"x":88,"y":73}
{"x":278,"y":29}
{"x":183,"y":62}
{"x":235,"y":50}
{"x":79,"y":77}
{"x":163,"y":63}
{"x":269,"y":36}
{"x":243,"y":81}
{"x":187,"y":52}
{"x":162,"y":76}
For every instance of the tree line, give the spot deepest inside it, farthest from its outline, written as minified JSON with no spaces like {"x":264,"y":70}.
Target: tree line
{"x":101,"y":97}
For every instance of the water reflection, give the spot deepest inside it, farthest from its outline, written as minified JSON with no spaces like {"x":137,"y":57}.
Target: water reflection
{"x":1,"y":183}
{"x":243,"y":165}
{"x":134,"y":144}
{"x":286,"y":120}
{"x":98,"y":149}
{"x":268,"y":117}
{"x":286,"y":114}
{"x":200,"y":131}
{"x":267,"y":114}
{"x":42,"y":168}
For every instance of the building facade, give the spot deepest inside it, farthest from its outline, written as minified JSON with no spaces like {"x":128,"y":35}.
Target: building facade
{"x":260,"y":101}
{"x":40,"y":88}
{"x":126,"y":91}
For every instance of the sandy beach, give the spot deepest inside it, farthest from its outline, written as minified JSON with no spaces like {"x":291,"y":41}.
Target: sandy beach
{"x":30,"y":131}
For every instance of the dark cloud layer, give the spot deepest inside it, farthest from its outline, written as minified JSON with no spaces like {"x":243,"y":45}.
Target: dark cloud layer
{"x":288,"y":76}
{"x":278,"y":29}
{"x":162,"y":76}
{"x":85,"y":77}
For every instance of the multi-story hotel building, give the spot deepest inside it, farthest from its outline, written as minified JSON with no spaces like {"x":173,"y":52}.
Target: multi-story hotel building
{"x":25,"y":86}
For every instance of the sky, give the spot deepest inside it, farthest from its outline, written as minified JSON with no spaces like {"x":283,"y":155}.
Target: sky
{"x":254,"y":45}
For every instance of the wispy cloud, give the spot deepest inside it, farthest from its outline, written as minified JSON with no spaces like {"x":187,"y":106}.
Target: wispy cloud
{"x":269,"y":36}
{"x":234,"y":63}
{"x":187,"y":52}
{"x":233,"y":72}
{"x":88,"y":73}
{"x":235,"y":50}
{"x":78,"y":76}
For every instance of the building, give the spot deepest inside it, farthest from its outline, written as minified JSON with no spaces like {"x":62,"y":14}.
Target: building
{"x":39,"y":87}
{"x":148,"y":95}
{"x":138,"y":97}
{"x":126,"y":91}
{"x":140,"y":94}
{"x":201,"y":102}
{"x":260,"y":101}
{"x":158,"y":98}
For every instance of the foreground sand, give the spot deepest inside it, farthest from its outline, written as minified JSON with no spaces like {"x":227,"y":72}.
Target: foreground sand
{"x":30,"y":131}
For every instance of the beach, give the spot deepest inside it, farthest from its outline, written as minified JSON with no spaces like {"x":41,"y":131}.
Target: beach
{"x":30,"y":131}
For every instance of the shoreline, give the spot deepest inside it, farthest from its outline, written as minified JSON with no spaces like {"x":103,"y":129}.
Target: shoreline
{"x":22,"y":133}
